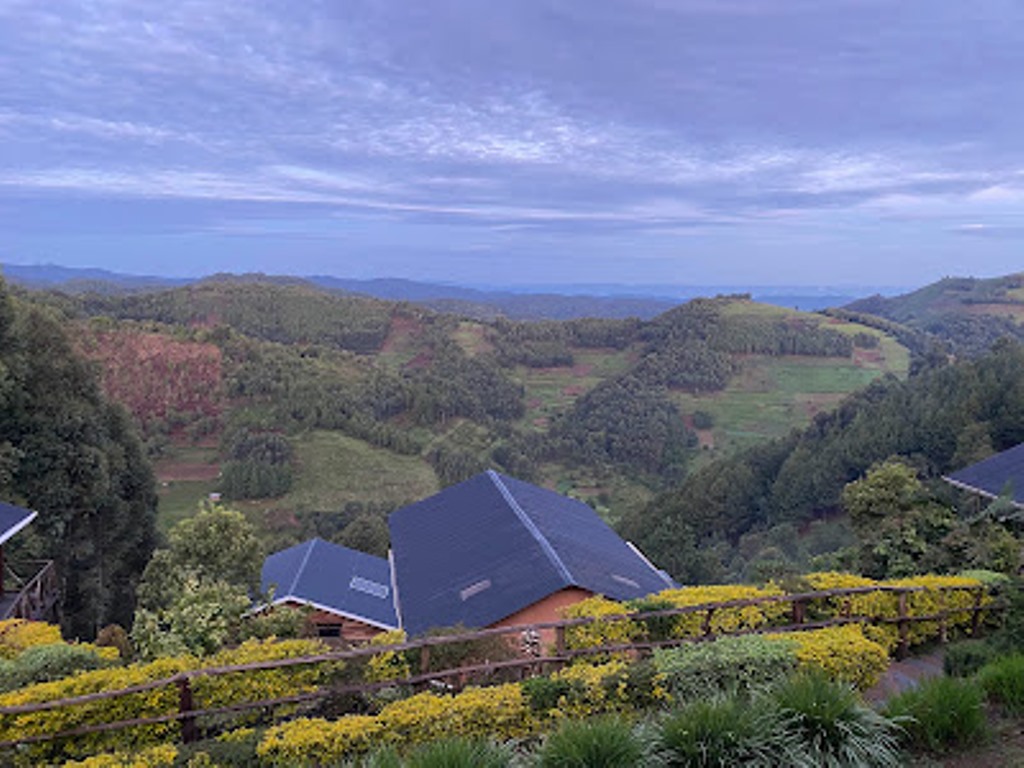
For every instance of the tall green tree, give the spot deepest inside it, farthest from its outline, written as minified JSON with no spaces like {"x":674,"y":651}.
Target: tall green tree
{"x":76,"y":459}
{"x":901,"y":530}
{"x":196,"y":591}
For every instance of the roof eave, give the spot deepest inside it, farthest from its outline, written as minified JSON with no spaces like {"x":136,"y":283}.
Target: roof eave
{"x":334,"y":610}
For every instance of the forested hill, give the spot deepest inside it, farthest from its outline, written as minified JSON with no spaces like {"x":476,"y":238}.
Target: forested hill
{"x":335,"y":409}
{"x":942,"y":419}
{"x":968,"y":313}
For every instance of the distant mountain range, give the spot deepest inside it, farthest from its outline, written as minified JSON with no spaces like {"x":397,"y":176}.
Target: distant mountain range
{"x":561,"y":302}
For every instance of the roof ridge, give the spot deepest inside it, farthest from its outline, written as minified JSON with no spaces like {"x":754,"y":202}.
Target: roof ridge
{"x":531,"y":526}
{"x":302,"y":566}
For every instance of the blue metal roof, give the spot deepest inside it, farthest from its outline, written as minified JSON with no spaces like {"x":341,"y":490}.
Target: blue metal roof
{"x":13,"y":519}
{"x":484,"y":549}
{"x":333,"y":578}
{"x":994,"y":475}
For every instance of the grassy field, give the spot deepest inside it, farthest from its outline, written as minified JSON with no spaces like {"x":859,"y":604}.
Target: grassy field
{"x":179,"y":499}
{"x":551,"y":391}
{"x":186,"y":476}
{"x":772,"y":395}
{"x":333,"y":469}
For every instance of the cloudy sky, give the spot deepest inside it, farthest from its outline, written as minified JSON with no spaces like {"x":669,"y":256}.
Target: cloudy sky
{"x":754,"y":142}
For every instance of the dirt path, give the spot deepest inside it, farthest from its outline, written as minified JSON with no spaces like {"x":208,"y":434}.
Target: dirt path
{"x":906,"y":674}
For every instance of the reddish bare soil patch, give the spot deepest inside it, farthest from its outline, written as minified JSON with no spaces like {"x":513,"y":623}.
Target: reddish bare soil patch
{"x":867,"y":356}
{"x":574,"y":390}
{"x":154,"y":375}
{"x":402,"y":329}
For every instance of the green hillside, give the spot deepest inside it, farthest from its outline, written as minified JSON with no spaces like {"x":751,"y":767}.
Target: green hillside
{"x":967,"y":313}
{"x":308,"y":401}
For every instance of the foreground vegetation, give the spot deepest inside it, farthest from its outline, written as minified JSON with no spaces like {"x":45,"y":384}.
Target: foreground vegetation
{"x":755,"y":672}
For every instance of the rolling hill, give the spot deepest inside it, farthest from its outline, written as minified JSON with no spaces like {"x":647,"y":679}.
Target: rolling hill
{"x":968,"y":313}
{"x":349,"y":406}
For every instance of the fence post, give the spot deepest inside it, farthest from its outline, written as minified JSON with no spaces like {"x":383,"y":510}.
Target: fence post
{"x":904,"y":628}
{"x":706,"y":629}
{"x":560,"y":640}
{"x":944,"y":621}
{"x":799,"y":611}
{"x":424,"y":659}
{"x":979,"y":595}
{"x":189,"y":732}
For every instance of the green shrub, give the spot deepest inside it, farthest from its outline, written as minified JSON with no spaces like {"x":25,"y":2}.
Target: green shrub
{"x":728,"y":665}
{"x":722,"y":733}
{"x":459,"y":753}
{"x":1010,"y":635}
{"x":543,"y":693}
{"x":381,"y":758}
{"x":42,"y":663}
{"x":597,"y":743}
{"x":1003,"y":681}
{"x":831,"y":727}
{"x":965,"y":658}
{"x":940,"y":715}
{"x":234,"y":749}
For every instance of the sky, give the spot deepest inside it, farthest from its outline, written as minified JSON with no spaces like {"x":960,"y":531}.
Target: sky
{"x":687,"y":142}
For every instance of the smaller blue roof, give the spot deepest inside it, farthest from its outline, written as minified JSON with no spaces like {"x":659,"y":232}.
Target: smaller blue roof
{"x":13,"y":519}
{"x":333,"y":578}
{"x":995,"y":475}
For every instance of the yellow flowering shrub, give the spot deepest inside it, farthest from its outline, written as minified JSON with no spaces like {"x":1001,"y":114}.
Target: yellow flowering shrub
{"x":599,"y":633}
{"x":500,"y":712}
{"x":208,"y":692}
{"x":843,"y":653}
{"x":18,"y":634}
{"x":161,"y":755}
{"x":478,"y":713}
{"x":724,"y":620}
{"x":933,"y":599}
{"x":315,"y":741}
{"x":593,"y":689}
{"x":388,"y":665}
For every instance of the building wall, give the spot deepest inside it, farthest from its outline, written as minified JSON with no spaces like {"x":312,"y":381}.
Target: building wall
{"x":347,"y":629}
{"x":548,"y":609}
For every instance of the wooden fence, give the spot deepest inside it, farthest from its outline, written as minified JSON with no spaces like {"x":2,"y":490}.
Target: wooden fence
{"x":555,"y":657}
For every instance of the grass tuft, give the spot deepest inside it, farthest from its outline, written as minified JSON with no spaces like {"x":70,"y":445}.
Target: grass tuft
{"x":599,"y":743}
{"x":941,"y":715}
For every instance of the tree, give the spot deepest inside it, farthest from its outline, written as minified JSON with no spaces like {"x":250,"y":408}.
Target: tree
{"x":76,"y":459}
{"x":900,"y":529}
{"x":195,"y":592}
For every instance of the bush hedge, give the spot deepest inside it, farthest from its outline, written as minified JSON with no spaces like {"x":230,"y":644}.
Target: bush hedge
{"x":728,"y":665}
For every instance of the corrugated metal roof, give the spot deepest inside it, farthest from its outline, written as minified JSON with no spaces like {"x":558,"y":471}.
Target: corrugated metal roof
{"x":486,"y":548}
{"x":994,"y":475}
{"x":333,"y":578}
{"x":13,"y":519}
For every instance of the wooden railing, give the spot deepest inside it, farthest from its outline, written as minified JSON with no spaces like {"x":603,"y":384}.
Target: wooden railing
{"x":557,"y":656}
{"x":37,"y":598}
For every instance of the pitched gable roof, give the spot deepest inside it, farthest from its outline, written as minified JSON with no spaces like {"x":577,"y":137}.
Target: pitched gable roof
{"x":13,"y":519}
{"x":486,"y":548}
{"x":994,"y":475}
{"x":333,"y":578}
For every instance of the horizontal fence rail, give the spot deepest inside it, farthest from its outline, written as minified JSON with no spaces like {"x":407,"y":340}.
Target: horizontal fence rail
{"x":554,"y":657}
